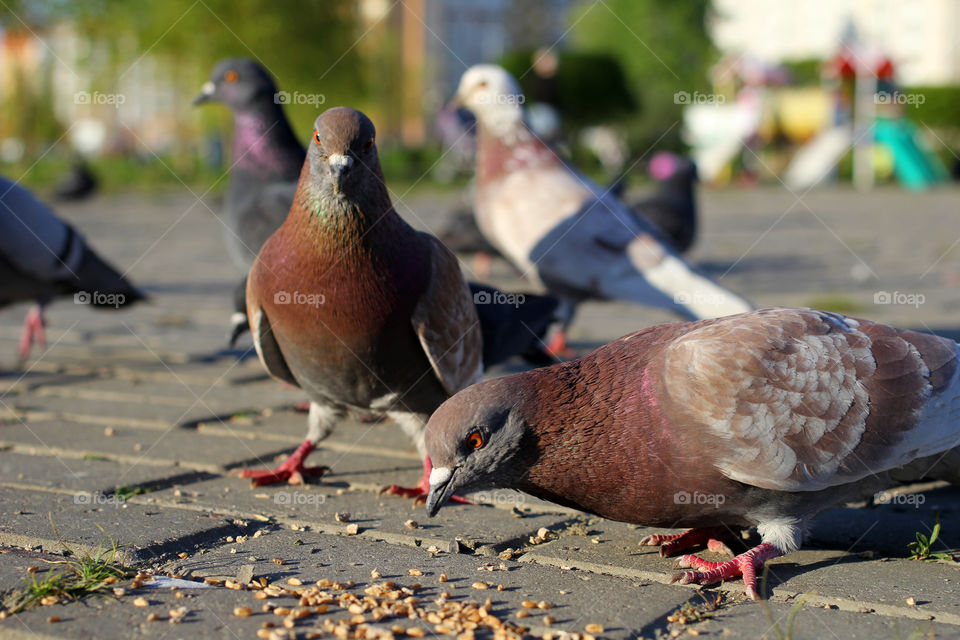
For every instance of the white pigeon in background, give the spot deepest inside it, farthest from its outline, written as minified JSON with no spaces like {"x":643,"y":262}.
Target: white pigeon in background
{"x":561,"y":229}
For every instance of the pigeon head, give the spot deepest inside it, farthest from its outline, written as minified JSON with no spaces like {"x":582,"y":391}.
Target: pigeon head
{"x":239,"y":83}
{"x":342,"y":154}
{"x":474,"y":439}
{"x":493,"y":95}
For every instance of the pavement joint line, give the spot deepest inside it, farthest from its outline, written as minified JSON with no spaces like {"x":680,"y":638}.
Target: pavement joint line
{"x":59,"y":391}
{"x":83,"y":418}
{"x":123,"y":373}
{"x":75,"y":454}
{"x":316,"y":526}
{"x":736,"y":589}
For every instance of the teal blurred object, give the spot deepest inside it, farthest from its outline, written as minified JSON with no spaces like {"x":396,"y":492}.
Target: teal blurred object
{"x":915,"y":165}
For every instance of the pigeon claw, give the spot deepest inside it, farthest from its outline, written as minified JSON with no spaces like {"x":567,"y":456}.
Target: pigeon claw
{"x":558,"y":347}
{"x":418,"y":493}
{"x":671,"y":544}
{"x":34,"y":332}
{"x":292,"y":470}
{"x":280,"y":474}
{"x":746,"y":565}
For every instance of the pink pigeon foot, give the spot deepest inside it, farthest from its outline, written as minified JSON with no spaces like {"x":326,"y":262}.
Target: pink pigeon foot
{"x":482,"y":265}
{"x":672,"y":543}
{"x":418,"y":493}
{"x":290,"y":470}
{"x":558,"y":347}
{"x":745,"y":564}
{"x":34,"y":326}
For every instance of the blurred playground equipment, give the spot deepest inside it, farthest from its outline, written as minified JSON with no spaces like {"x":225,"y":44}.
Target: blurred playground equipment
{"x":756,"y":123}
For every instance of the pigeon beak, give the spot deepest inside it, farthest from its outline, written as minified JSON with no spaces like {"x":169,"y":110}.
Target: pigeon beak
{"x":441,"y":486}
{"x":339,"y":166}
{"x":206,"y":93}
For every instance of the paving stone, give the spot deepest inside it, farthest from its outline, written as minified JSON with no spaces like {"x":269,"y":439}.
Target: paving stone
{"x":377,"y":517}
{"x":78,"y":474}
{"x":88,"y":521}
{"x":165,"y":447}
{"x":840,"y":575}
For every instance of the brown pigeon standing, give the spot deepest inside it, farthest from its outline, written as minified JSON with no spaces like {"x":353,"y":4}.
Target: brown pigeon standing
{"x":761,"y":419}
{"x":562,"y":230}
{"x":351,"y":304}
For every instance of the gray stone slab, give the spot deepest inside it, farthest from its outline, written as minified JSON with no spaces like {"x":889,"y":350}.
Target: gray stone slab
{"x":377,"y":517}
{"x":165,"y":447}
{"x":577,"y":599}
{"x":79,"y":474}
{"x":848,"y":579}
{"x":88,"y":520}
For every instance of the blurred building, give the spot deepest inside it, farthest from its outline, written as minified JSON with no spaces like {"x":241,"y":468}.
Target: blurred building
{"x":921,"y":36}
{"x":440,"y":39}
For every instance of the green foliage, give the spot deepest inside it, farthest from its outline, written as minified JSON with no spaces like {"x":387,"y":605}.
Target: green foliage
{"x":939,"y":107}
{"x":922,"y":548}
{"x":663,"y":47}
{"x":591,"y":87}
{"x":805,"y":72}
{"x":787,"y":632}
{"x":308,"y":47}
{"x":82,"y":575}
{"x":836,"y":303}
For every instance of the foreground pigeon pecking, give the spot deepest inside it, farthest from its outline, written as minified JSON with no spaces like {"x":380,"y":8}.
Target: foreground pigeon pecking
{"x":351,"y":304}
{"x":43,"y":257}
{"x":267,"y":158}
{"x":559,"y":228}
{"x":770,"y":417}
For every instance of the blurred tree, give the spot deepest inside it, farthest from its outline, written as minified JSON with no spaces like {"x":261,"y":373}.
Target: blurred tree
{"x":591,"y":88}
{"x":805,"y":71}
{"x":663,"y":48}
{"x":310,"y":47}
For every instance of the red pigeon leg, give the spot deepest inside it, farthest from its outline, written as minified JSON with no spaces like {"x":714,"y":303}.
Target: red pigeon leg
{"x":419,"y":492}
{"x":290,"y":470}
{"x":558,"y":346}
{"x":34,"y":326}
{"x":672,"y":543}
{"x":302,"y":407}
{"x":482,"y":264}
{"x":745,"y":564}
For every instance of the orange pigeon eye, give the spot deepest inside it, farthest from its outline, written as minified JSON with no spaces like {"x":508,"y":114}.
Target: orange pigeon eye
{"x":475,"y":440}
{"x":230,"y":76}
{"x":316,"y":136}
{"x":369,"y":145}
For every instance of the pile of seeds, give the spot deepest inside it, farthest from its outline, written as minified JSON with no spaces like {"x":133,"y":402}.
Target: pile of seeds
{"x":384,"y":611}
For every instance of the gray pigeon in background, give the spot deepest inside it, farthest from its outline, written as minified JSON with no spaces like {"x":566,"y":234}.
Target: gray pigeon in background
{"x":267,"y":158}
{"x":762,"y":419}
{"x":43,"y":257}
{"x":562,"y":230}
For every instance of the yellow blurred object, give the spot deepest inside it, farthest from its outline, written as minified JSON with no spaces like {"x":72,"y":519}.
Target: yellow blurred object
{"x":803,"y":113}
{"x":882,"y":162}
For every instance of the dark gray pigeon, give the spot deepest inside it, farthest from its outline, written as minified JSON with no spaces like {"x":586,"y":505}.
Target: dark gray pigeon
{"x":43,"y":257}
{"x":762,"y":419}
{"x":672,"y":207}
{"x":513,"y":324}
{"x":77,"y":183}
{"x":267,"y":158}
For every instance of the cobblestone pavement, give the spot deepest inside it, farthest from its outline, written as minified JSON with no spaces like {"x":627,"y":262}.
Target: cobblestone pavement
{"x":125,"y":428}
